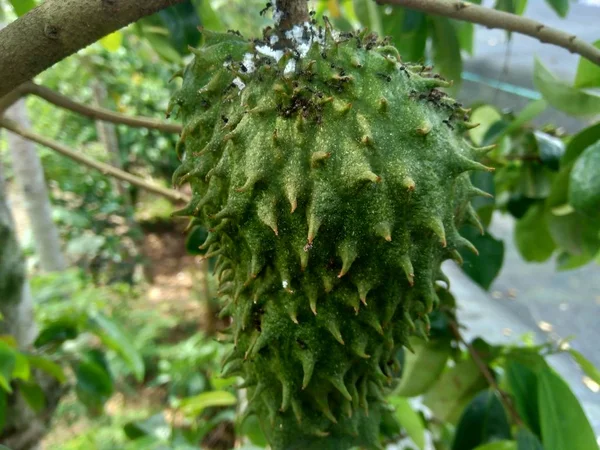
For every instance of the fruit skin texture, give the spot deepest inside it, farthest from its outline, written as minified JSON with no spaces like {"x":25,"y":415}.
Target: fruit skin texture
{"x":332,"y":188}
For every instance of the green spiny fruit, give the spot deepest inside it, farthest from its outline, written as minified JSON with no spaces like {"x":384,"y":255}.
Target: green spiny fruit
{"x":332,"y":178}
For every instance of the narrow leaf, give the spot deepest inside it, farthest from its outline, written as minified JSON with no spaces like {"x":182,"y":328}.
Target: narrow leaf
{"x":588,"y":368}
{"x":564,"y":424}
{"x":116,"y":339}
{"x":194,"y":406}
{"x":563,"y":96}
{"x":410,"y":420}
{"x":588,"y":73}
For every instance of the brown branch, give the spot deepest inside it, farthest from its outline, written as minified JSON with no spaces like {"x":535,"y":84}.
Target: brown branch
{"x":59,"y":28}
{"x":96,"y":113}
{"x":106,"y":169}
{"x":485,"y":371}
{"x":492,"y":18}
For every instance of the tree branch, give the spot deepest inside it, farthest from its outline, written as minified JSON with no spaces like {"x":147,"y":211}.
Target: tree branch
{"x":96,"y":113}
{"x":485,"y":371}
{"x":492,"y":18}
{"x":102,"y":167}
{"x":59,"y":28}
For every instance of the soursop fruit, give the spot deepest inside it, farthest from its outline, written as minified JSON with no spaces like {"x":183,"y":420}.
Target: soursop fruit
{"x":332,"y":178}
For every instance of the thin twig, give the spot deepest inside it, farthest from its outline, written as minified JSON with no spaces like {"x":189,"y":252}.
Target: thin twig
{"x":485,"y":371}
{"x":94,"y":112}
{"x":106,"y":169}
{"x":492,"y":18}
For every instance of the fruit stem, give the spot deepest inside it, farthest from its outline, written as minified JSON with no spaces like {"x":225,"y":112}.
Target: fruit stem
{"x":287,"y":14}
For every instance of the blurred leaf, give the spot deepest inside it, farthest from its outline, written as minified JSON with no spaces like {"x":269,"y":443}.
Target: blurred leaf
{"x":579,"y":143}
{"x":8,"y":361}
{"x":408,"y":29}
{"x":535,"y":180}
{"x":588,"y":368}
{"x":409,"y":419}
{"x":560,"y":6}
{"x":551,"y":149}
{"x":195,"y":238}
{"x":182,"y":21}
{"x":368,"y":14}
{"x":454,"y":390}
{"x":156,"y":426}
{"x":22,"y":6}
{"x":251,"y":429}
{"x":518,"y":205}
{"x":209,"y":18}
{"x":527,"y":114}
{"x":466,"y":33}
{"x":563,"y":96}
{"x":3,"y":409}
{"x":532,"y":235}
{"x":115,"y":338}
{"x":33,"y":395}
{"x":588,"y":73}
{"x":446,"y":50}
{"x":94,"y":385}
{"x":485,"y":116}
{"x":21,"y":370}
{"x":566,"y":261}
{"x":57,"y":332}
{"x":564,"y":424}
{"x":113,"y":41}
{"x":499,"y":445}
{"x":485,"y":267}
{"x":46,"y":365}
{"x":193,"y":406}
{"x":526,"y":440}
{"x":161,"y":45}
{"x":422,"y":368}
{"x":584,"y":183}
{"x":483,"y":421}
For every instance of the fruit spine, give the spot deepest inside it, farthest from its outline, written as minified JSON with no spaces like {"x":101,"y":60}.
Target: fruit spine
{"x":332,"y":178}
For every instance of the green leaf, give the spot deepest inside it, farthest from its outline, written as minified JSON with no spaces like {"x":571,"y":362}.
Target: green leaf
{"x":522,"y":383}
{"x":588,"y":368}
{"x":182,"y":21}
{"x":532,"y":235}
{"x":46,"y":365}
{"x":22,"y":6}
{"x":579,"y":143}
{"x":527,"y":114}
{"x":483,"y":421}
{"x":563,"y":96}
{"x":560,"y":6}
{"x":94,"y":385}
{"x":485,"y":267}
{"x":588,"y":73}
{"x":526,"y":440}
{"x":3,"y":409}
{"x":368,"y":14}
{"x":196,"y":237}
{"x":499,"y":445}
{"x":57,"y":332}
{"x":8,"y":360}
{"x":550,"y":148}
{"x":454,"y":390}
{"x":33,"y":395}
{"x":485,"y":116}
{"x":409,"y":419}
{"x":209,"y":18}
{"x":408,"y":30}
{"x":112,"y":42}
{"x":584,"y":183}
{"x":466,"y":33}
{"x":156,"y":426}
{"x":446,"y":50}
{"x":422,"y":368}
{"x":564,"y":424}
{"x":116,"y":339}
{"x":162,"y":46}
{"x":193,"y":406}
{"x":251,"y":429}
{"x":21,"y":370}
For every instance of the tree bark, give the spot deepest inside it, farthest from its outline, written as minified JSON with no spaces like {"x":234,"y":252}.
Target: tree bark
{"x":59,"y":28}
{"x":29,"y":175}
